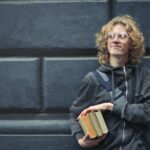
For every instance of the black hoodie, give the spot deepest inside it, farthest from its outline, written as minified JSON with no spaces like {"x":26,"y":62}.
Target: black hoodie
{"x":130,"y":94}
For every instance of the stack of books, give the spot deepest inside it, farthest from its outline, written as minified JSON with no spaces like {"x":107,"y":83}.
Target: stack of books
{"x":93,"y":124}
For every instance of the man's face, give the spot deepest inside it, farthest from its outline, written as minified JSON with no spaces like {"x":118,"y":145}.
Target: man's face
{"x":118,"y":42}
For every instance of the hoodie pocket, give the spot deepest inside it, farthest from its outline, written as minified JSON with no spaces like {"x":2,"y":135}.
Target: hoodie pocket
{"x":112,"y":140}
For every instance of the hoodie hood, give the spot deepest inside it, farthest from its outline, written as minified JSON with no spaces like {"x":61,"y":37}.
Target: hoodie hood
{"x":118,"y":72}
{"x":108,"y":68}
{"x":117,"y":76}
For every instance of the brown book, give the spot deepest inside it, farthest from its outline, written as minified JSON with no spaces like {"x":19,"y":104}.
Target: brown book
{"x":93,"y":124}
{"x":87,"y":125}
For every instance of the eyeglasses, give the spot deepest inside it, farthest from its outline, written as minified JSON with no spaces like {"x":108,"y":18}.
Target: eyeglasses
{"x":112,"y":35}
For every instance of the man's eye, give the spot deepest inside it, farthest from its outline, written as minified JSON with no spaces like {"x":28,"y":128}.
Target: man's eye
{"x":122,"y":35}
{"x":111,"y":36}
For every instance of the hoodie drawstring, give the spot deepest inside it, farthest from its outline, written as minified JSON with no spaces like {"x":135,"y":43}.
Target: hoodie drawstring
{"x":113,"y":86}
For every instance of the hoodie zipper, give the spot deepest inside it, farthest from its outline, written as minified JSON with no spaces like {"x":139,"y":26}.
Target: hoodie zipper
{"x":126,"y":82}
{"x":126,"y":96}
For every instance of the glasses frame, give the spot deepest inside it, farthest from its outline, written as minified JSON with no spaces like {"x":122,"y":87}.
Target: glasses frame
{"x":112,"y":35}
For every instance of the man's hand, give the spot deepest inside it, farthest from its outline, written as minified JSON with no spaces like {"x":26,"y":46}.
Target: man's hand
{"x":102,"y":107}
{"x":86,"y":142}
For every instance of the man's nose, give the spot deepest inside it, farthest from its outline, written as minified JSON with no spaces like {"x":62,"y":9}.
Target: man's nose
{"x":116,"y":40}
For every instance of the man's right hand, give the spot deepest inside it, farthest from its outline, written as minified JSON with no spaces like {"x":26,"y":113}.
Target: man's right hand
{"x":86,"y":142}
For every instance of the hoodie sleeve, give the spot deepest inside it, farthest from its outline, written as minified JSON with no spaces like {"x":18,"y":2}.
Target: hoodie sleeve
{"x":137,"y":112}
{"x":85,"y":96}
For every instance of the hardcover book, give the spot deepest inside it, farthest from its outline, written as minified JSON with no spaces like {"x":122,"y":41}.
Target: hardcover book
{"x":93,"y":124}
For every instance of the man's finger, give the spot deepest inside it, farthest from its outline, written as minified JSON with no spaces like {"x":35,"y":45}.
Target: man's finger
{"x":86,"y":137}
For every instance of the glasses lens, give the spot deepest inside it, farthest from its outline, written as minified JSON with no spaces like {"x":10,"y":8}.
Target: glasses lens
{"x":122,"y":35}
{"x":110,"y":35}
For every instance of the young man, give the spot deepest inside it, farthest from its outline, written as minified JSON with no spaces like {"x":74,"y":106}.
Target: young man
{"x":126,"y":106}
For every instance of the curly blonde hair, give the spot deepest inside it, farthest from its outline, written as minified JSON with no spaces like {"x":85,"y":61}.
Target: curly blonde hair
{"x":136,"y":39}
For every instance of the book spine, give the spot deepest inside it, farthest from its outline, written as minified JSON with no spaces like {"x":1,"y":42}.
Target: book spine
{"x":87,"y":126}
{"x":102,"y":122}
{"x":95,"y":123}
